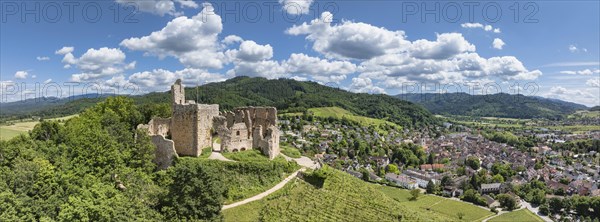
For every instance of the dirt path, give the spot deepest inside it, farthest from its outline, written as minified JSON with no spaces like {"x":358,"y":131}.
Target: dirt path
{"x":264,"y":194}
{"x":216,"y":153}
{"x":302,"y":161}
{"x":218,"y":156}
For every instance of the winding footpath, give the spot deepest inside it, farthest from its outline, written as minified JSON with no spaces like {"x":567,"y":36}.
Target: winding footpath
{"x":303,"y":161}
{"x":266,"y":193}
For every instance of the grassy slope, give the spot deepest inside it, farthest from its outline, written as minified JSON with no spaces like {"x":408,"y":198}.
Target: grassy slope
{"x":246,"y":179}
{"x":518,"y":215}
{"x":439,"y":205}
{"x":342,"y":198}
{"x":290,"y":151}
{"x":339,"y":113}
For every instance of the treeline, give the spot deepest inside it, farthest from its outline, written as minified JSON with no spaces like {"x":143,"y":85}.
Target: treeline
{"x":579,"y":146}
{"x":520,"y":142}
{"x":493,"y":105}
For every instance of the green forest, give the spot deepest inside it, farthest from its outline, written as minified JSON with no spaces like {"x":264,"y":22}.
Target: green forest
{"x":493,"y":105}
{"x":97,"y":167}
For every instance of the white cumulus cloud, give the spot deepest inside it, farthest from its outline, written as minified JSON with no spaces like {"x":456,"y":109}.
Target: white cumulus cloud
{"x":96,"y":63}
{"x":498,"y":43}
{"x":159,"y":7}
{"x":296,"y":7}
{"x":349,"y":40}
{"x":194,"y":40}
{"x":21,"y":74}
{"x":487,"y":28}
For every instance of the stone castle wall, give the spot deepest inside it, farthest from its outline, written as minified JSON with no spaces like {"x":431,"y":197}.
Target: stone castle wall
{"x":158,"y":126}
{"x":184,"y":129}
{"x":192,"y":125}
{"x":165,"y":151}
{"x":205,"y":115}
{"x":250,"y":127}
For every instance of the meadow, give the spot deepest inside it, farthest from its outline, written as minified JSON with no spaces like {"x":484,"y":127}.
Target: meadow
{"x":15,"y":128}
{"x":440,"y":205}
{"x":522,"y":215}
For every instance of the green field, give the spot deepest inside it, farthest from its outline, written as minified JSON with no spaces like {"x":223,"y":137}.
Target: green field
{"x":518,"y":215}
{"x":341,"y":198}
{"x":440,"y":205}
{"x":248,"y":155}
{"x":14,"y":128}
{"x":339,"y":113}
{"x":7,"y":133}
{"x":585,"y":114}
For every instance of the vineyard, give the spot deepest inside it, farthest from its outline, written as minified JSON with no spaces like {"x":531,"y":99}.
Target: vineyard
{"x":342,"y":198}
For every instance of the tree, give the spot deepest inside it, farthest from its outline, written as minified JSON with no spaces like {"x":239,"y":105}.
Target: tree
{"x":47,"y":130}
{"x":447,"y":181}
{"x":498,"y":178}
{"x":430,"y":158}
{"x":507,"y":202}
{"x":431,"y":187}
{"x":544,"y":209}
{"x":473,"y":162}
{"x":460,"y":215}
{"x":195,"y":194}
{"x":392,"y":168}
{"x":555,"y":205}
{"x":415,"y":193}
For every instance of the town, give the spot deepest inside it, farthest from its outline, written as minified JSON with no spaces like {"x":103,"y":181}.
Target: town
{"x":462,"y":162}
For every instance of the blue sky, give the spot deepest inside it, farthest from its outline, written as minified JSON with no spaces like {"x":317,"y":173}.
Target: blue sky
{"x":361,"y":46}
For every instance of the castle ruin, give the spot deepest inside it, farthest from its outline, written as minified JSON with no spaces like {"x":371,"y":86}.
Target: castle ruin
{"x":192,"y":127}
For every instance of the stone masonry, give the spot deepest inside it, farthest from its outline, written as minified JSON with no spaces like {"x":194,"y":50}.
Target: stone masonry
{"x":192,"y":127}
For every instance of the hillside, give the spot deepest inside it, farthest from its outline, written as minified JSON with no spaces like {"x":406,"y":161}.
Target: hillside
{"x":496,"y":105}
{"x":285,"y":94}
{"x":49,"y":106}
{"x":336,"y":196}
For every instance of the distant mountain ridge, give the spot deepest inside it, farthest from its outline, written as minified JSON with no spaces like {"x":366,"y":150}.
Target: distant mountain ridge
{"x":41,"y":104}
{"x":286,"y":94}
{"x":495,"y":105}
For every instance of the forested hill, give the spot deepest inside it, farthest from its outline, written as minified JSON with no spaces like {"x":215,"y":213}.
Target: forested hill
{"x":296,"y":96}
{"x":496,"y":105}
{"x":285,"y":94}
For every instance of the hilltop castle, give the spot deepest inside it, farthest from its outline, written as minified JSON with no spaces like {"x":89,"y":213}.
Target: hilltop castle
{"x":192,"y":127}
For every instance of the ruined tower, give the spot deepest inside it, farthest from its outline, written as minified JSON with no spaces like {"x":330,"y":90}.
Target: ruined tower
{"x":178,"y":93}
{"x":191,"y":123}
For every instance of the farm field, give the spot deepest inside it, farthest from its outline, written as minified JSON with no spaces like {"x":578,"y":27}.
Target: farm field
{"x":14,"y":128}
{"x":523,"y":215}
{"x":437,"y":204}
